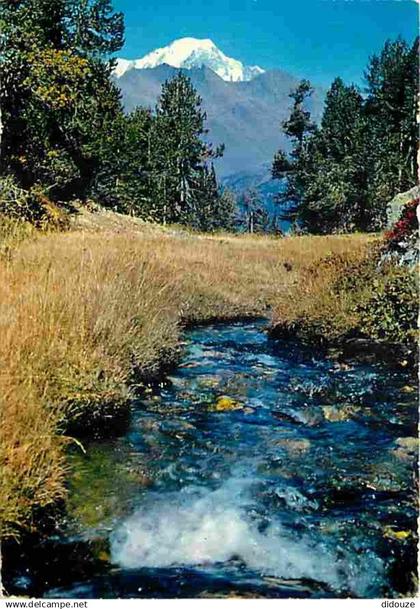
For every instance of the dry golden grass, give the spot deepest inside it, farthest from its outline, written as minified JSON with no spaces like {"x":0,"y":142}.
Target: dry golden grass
{"x":313,"y":307}
{"x":85,"y":314}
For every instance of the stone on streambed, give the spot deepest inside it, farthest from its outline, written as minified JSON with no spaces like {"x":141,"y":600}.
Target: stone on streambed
{"x":239,"y":384}
{"x":140,"y":476}
{"x":176,"y":427}
{"x":410,"y":444}
{"x":209,"y":382}
{"x":294,"y":447}
{"x":351,"y":489}
{"x":391,"y":533}
{"x":295,"y":500}
{"x":248,"y":410}
{"x":225,"y":403}
{"x":383,"y":479}
{"x":303,"y":416}
{"x":344,"y":412}
{"x":409,"y":389}
{"x":406,"y":448}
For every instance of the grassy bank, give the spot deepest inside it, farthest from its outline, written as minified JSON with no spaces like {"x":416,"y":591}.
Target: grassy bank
{"x":355,"y":296}
{"x":90,"y":314}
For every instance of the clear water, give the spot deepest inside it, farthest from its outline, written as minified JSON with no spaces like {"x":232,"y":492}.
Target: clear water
{"x":302,"y":487}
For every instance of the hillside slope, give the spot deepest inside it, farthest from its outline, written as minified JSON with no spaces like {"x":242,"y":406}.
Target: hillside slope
{"x":245,"y":116}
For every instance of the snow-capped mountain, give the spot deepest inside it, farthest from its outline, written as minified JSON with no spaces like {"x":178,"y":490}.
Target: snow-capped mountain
{"x":192,"y":53}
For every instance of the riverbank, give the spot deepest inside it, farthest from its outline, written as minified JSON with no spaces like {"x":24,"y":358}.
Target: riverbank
{"x":252,"y":456}
{"x":360,"y":304}
{"x":91,"y":315}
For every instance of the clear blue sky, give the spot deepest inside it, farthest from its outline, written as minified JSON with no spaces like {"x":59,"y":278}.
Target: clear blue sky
{"x":319,"y":39}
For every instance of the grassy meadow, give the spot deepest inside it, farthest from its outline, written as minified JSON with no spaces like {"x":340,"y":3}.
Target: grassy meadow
{"x":90,"y":315}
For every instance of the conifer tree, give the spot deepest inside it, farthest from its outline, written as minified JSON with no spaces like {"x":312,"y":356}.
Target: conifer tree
{"x":340,"y":176}
{"x":334,"y":197}
{"x":226,"y":211}
{"x":391,"y":107}
{"x":297,"y":128}
{"x":179,"y":152}
{"x":122,"y":180}
{"x":205,"y":195}
{"x":212,"y":210}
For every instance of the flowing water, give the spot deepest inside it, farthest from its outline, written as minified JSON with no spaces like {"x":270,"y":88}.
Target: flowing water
{"x":259,"y":468}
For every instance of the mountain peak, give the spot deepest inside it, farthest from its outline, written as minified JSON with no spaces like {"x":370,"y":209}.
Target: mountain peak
{"x":192,"y":53}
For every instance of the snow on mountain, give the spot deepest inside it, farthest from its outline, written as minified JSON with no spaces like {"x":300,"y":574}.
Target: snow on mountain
{"x":122,"y":66}
{"x":192,"y":53}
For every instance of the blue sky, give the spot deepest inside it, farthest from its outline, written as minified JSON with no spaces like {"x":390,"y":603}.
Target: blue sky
{"x":318,"y":39}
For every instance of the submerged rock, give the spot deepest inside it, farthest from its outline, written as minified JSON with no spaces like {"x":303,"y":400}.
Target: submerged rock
{"x":209,"y":382}
{"x":176,"y":427}
{"x":384,"y":481}
{"x":304,"y":416}
{"x":410,"y":444}
{"x":407,"y":449}
{"x":391,"y":533}
{"x":335,"y":414}
{"x":294,"y":447}
{"x":225,"y":403}
{"x":294,"y":499}
{"x":409,"y":389}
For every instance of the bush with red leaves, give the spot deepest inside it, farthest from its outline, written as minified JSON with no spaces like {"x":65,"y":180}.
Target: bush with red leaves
{"x":405,"y":228}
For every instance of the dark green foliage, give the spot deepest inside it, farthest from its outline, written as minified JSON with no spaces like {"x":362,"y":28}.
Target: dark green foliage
{"x":391,"y":105}
{"x":56,"y":95}
{"x":299,"y":122}
{"x":226,"y":210}
{"x":157,"y":166}
{"x":354,"y":295}
{"x":122,"y":181}
{"x":298,"y":128}
{"x":64,"y":130}
{"x":92,"y":26}
{"x":211,"y":210}
{"x":388,"y":309}
{"x":179,"y":155}
{"x":335,"y":173}
{"x":341,"y":175}
{"x":383,"y":296}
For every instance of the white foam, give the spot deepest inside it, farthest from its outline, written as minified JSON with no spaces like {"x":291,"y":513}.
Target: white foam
{"x":197,"y":527}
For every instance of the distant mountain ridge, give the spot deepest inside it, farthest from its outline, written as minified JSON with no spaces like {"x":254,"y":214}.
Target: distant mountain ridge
{"x":245,"y":114}
{"x":192,"y":53}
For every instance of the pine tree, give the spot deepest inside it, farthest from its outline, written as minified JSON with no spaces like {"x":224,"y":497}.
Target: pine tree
{"x":334,"y":198}
{"x":212,"y":209}
{"x":179,"y":152}
{"x":226,"y":210}
{"x":122,"y":180}
{"x":93,"y":27}
{"x":391,"y":105}
{"x":205,"y":195}
{"x":292,"y":167}
{"x":340,"y":176}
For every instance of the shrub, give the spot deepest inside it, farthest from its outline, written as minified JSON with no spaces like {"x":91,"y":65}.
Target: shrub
{"x":388,"y":305}
{"x":31,"y":206}
{"x":404,"y":228}
{"x":349,"y":295}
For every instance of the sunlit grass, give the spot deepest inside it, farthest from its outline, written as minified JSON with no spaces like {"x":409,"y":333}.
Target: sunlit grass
{"x":87,"y":314}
